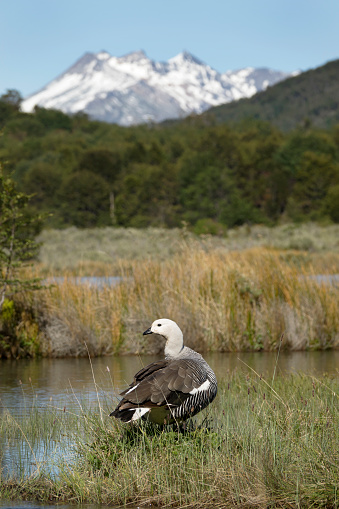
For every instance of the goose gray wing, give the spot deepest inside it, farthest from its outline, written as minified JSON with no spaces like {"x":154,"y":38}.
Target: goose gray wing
{"x":147,"y":371}
{"x":164,"y":383}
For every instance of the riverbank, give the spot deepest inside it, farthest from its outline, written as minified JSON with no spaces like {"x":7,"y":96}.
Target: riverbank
{"x":250,"y":300}
{"x":262,"y":443}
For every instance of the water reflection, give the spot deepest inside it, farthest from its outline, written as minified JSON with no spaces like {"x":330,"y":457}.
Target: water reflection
{"x":25,"y":459}
{"x":266,"y":363}
{"x":69,"y":382}
{"x":92,"y":281}
{"x":64,"y":382}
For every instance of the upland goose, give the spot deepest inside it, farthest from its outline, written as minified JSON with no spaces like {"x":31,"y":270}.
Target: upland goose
{"x":169,"y":390}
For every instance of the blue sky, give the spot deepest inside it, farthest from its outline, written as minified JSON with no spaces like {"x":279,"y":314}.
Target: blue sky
{"x":39,"y":39}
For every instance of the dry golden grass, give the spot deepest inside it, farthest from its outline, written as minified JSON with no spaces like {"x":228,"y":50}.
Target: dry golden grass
{"x":223,"y":301}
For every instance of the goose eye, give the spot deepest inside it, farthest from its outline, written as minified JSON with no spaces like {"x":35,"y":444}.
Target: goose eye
{"x":159,"y":324}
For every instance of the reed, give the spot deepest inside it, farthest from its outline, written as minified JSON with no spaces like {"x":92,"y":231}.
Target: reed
{"x":258,"y":445}
{"x":223,"y":301}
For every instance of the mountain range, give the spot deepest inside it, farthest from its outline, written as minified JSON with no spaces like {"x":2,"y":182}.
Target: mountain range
{"x":310,"y":98}
{"x":134,"y":89}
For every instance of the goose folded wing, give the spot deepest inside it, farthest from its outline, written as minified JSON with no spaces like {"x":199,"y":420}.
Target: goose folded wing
{"x":148,"y":370}
{"x":169,"y":383}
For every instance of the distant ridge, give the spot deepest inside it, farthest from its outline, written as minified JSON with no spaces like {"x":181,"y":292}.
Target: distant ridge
{"x":311,"y":97}
{"x":133,"y":89}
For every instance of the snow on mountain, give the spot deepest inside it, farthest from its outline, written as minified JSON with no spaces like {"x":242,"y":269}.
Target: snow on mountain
{"x":134,"y":89}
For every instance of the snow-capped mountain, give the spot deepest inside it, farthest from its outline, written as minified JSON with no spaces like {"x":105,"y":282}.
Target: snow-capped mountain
{"x":134,"y":89}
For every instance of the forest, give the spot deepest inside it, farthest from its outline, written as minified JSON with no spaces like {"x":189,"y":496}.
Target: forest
{"x":198,"y":172}
{"x":309,"y":97}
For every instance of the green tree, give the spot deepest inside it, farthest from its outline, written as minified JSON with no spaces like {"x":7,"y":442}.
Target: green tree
{"x":17,"y":244}
{"x":53,"y":119}
{"x":208,"y":191}
{"x":147,"y":196}
{"x":256,"y":172}
{"x":12,"y":97}
{"x":315,"y":174}
{"x":294,"y":165}
{"x":102,"y":162}
{"x":23,"y":125}
{"x":332,"y":203}
{"x":85,"y":200}
{"x":41,"y":181}
{"x":9,"y":105}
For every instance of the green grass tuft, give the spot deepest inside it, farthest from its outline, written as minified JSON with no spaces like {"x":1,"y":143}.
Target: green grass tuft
{"x":258,"y":445}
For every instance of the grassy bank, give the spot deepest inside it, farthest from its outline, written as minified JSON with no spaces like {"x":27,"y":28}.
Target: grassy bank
{"x":255,"y":299}
{"x":74,"y":249}
{"x":260,"y":444}
{"x":225,"y":295}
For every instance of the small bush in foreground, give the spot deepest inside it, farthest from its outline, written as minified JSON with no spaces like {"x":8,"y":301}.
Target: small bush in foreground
{"x":17,"y":244}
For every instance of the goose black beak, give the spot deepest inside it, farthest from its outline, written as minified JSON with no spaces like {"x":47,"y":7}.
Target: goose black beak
{"x":148,"y":331}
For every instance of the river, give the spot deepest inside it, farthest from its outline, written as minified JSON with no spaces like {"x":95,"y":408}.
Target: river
{"x":63,"y":382}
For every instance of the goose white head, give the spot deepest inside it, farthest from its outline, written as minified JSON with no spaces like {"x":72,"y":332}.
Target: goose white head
{"x":171,"y":332}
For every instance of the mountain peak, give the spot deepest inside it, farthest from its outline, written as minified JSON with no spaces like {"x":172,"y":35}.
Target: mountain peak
{"x":103,"y":55}
{"x":134,"y":56}
{"x":185,"y":56}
